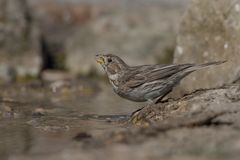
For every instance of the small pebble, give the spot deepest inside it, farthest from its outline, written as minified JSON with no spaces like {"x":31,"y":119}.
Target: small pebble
{"x":82,"y":135}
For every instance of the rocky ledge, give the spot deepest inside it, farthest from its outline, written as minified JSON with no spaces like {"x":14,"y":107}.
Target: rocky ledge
{"x":202,"y":103}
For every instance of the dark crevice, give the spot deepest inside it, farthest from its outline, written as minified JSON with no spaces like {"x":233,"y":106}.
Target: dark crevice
{"x":52,"y":55}
{"x":237,"y":80}
{"x":48,"y":62}
{"x":218,"y":123}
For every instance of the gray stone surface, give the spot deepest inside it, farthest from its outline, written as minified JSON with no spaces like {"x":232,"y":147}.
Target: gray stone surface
{"x":139,"y":31}
{"x":19,"y":47}
{"x":137,"y":34}
{"x":209,"y":31}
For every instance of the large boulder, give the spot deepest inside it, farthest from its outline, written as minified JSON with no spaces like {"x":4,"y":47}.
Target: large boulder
{"x":209,"y":31}
{"x":19,"y":47}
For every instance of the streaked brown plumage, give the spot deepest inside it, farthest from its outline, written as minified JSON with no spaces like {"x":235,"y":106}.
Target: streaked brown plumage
{"x":145,"y":82}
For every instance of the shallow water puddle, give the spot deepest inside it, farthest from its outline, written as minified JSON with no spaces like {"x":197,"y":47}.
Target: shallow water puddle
{"x":51,"y":133}
{"x":36,"y":121}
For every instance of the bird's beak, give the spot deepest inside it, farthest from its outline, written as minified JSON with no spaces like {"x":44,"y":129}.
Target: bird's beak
{"x":100,"y":59}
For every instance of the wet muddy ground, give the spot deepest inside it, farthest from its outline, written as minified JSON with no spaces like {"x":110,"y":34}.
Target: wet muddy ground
{"x":83,"y":119}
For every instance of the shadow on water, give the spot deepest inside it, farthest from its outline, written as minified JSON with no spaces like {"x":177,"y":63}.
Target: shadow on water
{"x":111,"y":118}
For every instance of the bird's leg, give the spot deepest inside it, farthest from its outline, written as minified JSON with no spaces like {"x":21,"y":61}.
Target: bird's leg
{"x":150,"y":102}
{"x":138,"y":110}
{"x":140,"y":116}
{"x":159,"y":99}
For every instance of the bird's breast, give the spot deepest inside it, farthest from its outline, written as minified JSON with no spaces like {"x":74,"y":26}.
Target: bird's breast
{"x":114,"y":83}
{"x":113,"y":77}
{"x":114,"y":80}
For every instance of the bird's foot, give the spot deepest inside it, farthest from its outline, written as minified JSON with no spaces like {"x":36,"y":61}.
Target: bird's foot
{"x":141,"y":116}
{"x":138,"y":117}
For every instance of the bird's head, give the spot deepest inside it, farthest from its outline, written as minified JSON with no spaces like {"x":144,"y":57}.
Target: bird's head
{"x":111,"y":64}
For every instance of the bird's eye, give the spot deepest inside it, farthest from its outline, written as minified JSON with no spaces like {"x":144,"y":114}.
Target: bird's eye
{"x":109,"y":60}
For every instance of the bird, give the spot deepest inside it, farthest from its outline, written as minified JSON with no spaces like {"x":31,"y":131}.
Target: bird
{"x":145,"y":83}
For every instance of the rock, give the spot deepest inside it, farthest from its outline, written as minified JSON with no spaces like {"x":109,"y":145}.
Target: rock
{"x":207,"y":103}
{"x":209,"y":31}
{"x":140,"y":32}
{"x":19,"y":43}
{"x":55,"y":75}
{"x":82,"y":135}
{"x":39,"y":112}
{"x":136,"y":34}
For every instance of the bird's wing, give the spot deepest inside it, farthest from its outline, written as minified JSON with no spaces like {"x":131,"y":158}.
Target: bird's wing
{"x":143,"y":74}
{"x":163,"y":72}
{"x":135,"y":80}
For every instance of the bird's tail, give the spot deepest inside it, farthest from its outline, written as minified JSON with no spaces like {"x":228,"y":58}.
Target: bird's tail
{"x":203,"y":65}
